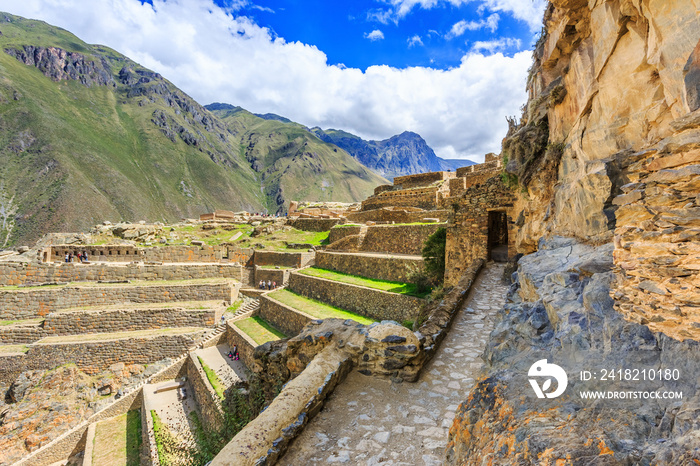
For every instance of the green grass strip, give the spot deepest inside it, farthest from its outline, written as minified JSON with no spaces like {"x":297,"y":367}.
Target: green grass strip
{"x":213,"y":378}
{"x":161,"y":435}
{"x":259,"y":330}
{"x":317,"y":308}
{"x":393,"y":287}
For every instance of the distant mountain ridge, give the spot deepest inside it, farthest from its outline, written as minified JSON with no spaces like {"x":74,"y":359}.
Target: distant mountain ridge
{"x":404,"y":154}
{"x":89,"y":135}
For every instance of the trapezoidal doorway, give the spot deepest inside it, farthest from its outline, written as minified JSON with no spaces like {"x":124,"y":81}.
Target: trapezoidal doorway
{"x":498,"y":236}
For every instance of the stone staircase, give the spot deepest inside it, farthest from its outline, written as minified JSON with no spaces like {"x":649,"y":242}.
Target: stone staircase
{"x":249,"y":307}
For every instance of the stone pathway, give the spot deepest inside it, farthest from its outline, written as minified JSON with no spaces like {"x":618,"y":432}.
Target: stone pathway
{"x":370,"y":421}
{"x":229,"y":371}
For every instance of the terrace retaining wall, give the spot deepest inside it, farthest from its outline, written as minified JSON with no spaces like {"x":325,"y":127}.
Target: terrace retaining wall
{"x":284,"y":318}
{"x":207,"y":399}
{"x":376,"y":304}
{"x":15,"y":273}
{"x":400,"y":239}
{"x":34,"y":303}
{"x":395,"y":269}
{"x":314,"y":224}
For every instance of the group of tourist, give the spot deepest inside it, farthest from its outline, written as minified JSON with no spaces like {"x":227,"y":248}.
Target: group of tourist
{"x":233,"y":354}
{"x":81,"y":256}
{"x":267,"y":286}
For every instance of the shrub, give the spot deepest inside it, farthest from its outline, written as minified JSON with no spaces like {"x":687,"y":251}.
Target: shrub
{"x":434,"y":255}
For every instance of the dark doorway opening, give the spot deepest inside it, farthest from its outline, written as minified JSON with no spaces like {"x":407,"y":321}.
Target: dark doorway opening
{"x":498,"y":236}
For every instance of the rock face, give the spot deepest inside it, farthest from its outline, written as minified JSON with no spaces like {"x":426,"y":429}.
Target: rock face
{"x":610,"y":79}
{"x":559,"y":309}
{"x":608,"y":151}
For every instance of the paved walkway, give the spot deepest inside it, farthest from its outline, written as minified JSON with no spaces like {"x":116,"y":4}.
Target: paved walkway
{"x":229,"y":371}
{"x":370,"y":421}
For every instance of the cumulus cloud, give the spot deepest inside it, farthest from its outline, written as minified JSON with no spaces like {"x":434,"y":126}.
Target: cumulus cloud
{"x":461,"y":27}
{"x":529,"y":11}
{"x":216,"y":56}
{"x":414,"y":41}
{"x":492,"y":46}
{"x":374,"y":35}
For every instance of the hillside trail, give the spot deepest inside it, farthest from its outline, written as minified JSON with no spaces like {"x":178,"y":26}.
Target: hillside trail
{"x":370,"y":421}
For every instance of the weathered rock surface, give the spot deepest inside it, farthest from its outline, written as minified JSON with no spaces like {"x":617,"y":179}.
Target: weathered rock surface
{"x":610,"y":79}
{"x":560,"y":309}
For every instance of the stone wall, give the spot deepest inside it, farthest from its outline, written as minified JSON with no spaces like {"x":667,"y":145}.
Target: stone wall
{"x":400,"y":239}
{"x":246,"y":345}
{"x":129,"y":253}
{"x":395,"y":269}
{"x":279,"y":276}
{"x":18,"y":334}
{"x":468,"y":235}
{"x":657,"y":243}
{"x":94,"y":357}
{"x":339,"y":232}
{"x":34,"y":303}
{"x":376,"y":304}
{"x":424,"y":198}
{"x":14,"y":273}
{"x":314,"y":224}
{"x":265,"y":439}
{"x":284,"y":318}
{"x":207,"y":400}
{"x":283,"y":259}
{"x":105,"y":321}
{"x":421,"y":179}
{"x":70,"y":442}
{"x":397,"y":216}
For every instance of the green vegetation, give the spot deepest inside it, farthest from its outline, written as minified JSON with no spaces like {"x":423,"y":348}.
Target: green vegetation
{"x":394,"y":287}
{"x":5,"y":349}
{"x":259,"y":330}
{"x":75,"y":155}
{"x":118,"y":440}
{"x":235,"y":306}
{"x":239,"y":408}
{"x":317,"y":308}
{"x":165,"y":441}
{"x":213,"y":378}
{"x":434,"y":255}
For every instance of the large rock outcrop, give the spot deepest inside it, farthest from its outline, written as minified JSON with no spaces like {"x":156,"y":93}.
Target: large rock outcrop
{"x":559,"y":309}
{"x":610,"y":79}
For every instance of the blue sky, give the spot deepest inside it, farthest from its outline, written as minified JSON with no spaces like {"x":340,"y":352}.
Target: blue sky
{"x":421,"y":38}
{"x":449,"y":70}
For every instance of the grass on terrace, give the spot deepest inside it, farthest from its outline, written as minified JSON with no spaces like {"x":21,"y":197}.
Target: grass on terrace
{"x":12,"y":349}
{"x":394,"y":287}
{"x":213,"y":378}
{"x":259,"y":330}
{"x":118,"y":440}
{"x":316,"y":308}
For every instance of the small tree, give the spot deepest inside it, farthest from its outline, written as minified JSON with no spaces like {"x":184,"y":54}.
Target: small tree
{"x":434,"y":255}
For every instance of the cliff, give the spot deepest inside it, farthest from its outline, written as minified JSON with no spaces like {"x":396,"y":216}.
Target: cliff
{"x":605,"y":162}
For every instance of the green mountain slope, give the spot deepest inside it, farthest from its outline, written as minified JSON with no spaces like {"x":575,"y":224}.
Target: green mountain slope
{"x":293,"y":163}
{"x":88,"y":135}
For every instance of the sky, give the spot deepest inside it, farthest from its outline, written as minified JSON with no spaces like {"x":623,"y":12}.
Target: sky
{"x":449,"y":70}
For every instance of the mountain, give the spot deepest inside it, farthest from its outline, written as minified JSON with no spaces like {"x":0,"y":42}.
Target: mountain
{"x":403,"y":154}
{"x":287,"y":157}
{"x":87,"y":135}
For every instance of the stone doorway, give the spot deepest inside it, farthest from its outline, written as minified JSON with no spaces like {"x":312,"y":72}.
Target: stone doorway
{"x":498,"y":236}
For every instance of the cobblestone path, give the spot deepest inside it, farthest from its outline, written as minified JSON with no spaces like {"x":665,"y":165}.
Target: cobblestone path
{"x":370,"y":421}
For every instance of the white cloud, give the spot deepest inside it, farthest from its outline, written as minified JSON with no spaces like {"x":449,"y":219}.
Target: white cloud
{"x":461,"y":27}
{"x":374,"y":35}
{"x":530,"y":11}
{"x":414,"y":41}
{"x":199,"y":47}
{"x":492,"y":46}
